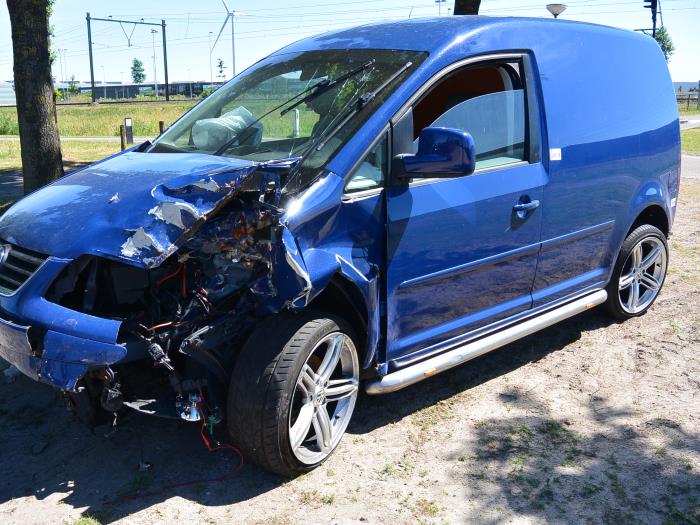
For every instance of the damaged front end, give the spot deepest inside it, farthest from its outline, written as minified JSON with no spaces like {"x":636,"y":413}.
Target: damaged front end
{"x":182,"y":288}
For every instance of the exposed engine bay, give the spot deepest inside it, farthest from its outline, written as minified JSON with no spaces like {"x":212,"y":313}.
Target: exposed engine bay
{"x":184,"y":320}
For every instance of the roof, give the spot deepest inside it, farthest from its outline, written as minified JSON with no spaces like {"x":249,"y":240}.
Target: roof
{"x":435,"y":34}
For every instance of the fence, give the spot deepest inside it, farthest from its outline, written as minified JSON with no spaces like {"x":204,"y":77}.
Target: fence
{"x":688,"y":100}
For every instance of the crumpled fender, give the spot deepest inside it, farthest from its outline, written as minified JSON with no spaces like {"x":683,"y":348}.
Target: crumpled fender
{"x":317,"y":269}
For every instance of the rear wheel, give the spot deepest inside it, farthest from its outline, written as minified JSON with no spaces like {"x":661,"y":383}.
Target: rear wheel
{"x":293,"y":391}
{"x":639,"y":273}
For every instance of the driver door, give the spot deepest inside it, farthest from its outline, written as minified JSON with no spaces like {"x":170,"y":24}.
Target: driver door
{"x":461,"y":253}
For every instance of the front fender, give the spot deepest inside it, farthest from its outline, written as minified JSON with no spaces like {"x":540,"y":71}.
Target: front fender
{"x":323,"y":265}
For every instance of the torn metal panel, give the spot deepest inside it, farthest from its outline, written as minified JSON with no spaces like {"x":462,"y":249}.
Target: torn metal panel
{"x":81,"y":214}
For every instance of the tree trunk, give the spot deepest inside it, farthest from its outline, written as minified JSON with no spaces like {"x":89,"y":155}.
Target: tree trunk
{"x":36,"y":102}
{"x":467,"y":7}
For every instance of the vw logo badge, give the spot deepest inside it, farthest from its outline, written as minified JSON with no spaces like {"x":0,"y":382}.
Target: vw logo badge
{"x":4,"y":252}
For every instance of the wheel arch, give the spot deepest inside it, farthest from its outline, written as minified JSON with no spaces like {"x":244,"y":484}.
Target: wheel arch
{"x":344,"y":298}
{"x":653,"y":214}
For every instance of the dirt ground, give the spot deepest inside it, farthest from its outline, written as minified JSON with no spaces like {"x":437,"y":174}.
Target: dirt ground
{"x":587,"y":422}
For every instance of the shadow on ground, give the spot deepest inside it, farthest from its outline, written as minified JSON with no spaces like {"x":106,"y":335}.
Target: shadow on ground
{"x":46,"y":452}
{"x":542,"y":469}
{"x":11,"y":181}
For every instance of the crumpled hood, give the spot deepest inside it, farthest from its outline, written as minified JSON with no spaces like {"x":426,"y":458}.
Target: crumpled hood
{"x":133,"y":207}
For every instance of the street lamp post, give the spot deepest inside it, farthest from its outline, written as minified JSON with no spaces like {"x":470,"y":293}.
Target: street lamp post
{"x":155,"y":78}
{"x":556,"y":9}
{"x":211,"y":71}
{"x":439,"y":3}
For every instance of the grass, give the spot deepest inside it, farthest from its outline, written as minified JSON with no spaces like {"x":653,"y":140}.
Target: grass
{"x":690,"y":141}
{"x":104,"y":120}
{"x":87,"y":520}
{"x":75,"y":154}
{"x":684,"y":109}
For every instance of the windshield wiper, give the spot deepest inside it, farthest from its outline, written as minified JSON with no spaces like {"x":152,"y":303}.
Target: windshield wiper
{"x":361,"y":102}
{"x":349,"y":112}
{"x":321,"y":87}
{"x":315,"y":90}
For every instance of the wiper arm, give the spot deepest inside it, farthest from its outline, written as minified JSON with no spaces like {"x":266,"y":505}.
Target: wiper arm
{"x":315,"y":90}
{"x":361,"y":103}
{"x":326,"y":135}
{"x":325,"y":85}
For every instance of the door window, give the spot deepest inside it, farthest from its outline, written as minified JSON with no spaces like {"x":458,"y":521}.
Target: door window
{"x":371,"y":172}
{"x":489,"y":103}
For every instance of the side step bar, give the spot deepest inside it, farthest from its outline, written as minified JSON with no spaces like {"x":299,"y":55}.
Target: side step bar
{"x":461,"y":354}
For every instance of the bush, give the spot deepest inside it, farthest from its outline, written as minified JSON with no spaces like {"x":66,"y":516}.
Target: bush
{"x":8,"y":122}
{"x":206,"y":92}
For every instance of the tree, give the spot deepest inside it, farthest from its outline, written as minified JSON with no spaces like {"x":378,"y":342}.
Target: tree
{"x":36,"y":102}
{"x":220,"y":66}
{"x":73,"y":87}
{"x":138,"y":74}
{"x":467,"y":7}
{"x":663,"y":38}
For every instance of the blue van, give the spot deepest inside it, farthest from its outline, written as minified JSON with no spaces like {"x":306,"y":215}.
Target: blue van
{"x":373,"y":205}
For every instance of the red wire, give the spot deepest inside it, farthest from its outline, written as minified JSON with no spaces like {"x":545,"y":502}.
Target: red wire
{"x":167,"y":488}
{"x":156,"y":327}
{"x":167,"y":277}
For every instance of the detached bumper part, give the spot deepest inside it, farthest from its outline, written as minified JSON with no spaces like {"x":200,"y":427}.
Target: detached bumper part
{"x":57,"y":359}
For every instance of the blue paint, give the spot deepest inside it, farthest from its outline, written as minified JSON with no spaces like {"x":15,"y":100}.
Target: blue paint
{"x":435,"y":260}
{"x":442,"y":152}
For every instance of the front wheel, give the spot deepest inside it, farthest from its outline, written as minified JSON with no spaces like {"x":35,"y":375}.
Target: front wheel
{"x":639,"y":273}
{"x":293,"y":391}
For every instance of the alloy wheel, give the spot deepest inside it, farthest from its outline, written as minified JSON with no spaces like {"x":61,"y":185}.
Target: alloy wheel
{"x":324,"y":398}
{"x":642,"y":275}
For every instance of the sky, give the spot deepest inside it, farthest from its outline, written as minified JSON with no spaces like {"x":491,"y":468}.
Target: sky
{"x":263,"y":26}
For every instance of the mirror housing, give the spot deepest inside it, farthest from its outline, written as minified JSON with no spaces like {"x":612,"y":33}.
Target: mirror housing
{"x":442,"y":153}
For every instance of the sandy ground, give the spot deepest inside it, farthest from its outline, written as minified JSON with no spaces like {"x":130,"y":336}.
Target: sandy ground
{"x":587,"y":422}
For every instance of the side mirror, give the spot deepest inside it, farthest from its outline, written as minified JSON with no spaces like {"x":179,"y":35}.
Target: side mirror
{"x":442,"y":153}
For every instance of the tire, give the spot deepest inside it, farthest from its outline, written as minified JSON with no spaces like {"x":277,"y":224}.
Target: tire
{"x":641,"y":266}
{"x":284,"y":380}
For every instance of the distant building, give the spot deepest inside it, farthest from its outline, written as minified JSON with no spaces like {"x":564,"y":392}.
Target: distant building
{"x":685,"y":86}
{"x":7,"y":94}
{"x":117,"y":90}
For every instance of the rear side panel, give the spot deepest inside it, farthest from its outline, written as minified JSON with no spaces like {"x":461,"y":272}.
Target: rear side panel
{"x":614,"y":146}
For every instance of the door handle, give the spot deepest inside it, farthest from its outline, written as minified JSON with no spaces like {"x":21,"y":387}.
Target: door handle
{"x":527,"y":206}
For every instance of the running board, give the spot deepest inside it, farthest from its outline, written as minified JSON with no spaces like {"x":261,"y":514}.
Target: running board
{"x":461,"y":354}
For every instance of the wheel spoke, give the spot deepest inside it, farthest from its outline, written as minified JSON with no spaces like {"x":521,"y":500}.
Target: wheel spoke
{"x":332,"y":357}
{"x":650,"y":282}
{"x":307,"y":379}
{"x":301,"y":426}
{"x":626,"y":281}
{"x":633,"y":299}
{"x":323,"y":429}
{"x":637,"y":256}
{"x":340,"y":388}
{"x":651,"y":258}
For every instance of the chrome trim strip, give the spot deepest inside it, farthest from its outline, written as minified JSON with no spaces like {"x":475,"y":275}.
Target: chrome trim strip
{"x":412,"y":358}
{"x":461,"y":354}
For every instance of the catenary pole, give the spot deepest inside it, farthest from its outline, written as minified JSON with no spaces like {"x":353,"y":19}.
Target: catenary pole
{"x":165,"y":63}
{"x":92,"y":69}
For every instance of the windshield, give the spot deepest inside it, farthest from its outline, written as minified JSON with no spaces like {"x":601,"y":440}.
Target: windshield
{"x":284,"y":104}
